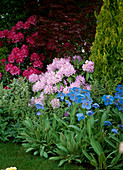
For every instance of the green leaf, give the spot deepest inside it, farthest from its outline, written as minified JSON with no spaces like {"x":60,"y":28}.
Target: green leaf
{"x":62,"y":162}
{"x":103,"y":118}
{"x":55,"y":158}
{"x":101,"y":158}
{"x":89,"y":128}
{"x":45,"y":154}
{"x":63,"y":148}
{"x":75,"y":127}
{"x":29,"y":149}
{"x":87,"y":76}
{"x":58,"y":86}
{"x":94,"y":163}
{"x":38,"y":94}
{"x":96,"y":146}
{"x":109,"y":142}
{"x":87,"y":155}
{"x":69,"y":79}
{"x":36,"y":152}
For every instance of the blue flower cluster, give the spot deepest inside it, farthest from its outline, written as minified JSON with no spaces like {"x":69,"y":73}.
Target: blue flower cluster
{"x":82,"y":96}
{"x":108,"y":99}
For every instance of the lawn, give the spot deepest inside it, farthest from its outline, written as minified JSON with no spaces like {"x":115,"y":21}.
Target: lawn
{"x":13,"y":155}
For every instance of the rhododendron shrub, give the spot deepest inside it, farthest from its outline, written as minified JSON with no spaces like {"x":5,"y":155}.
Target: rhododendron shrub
{"x":61,"y":75}
{"x":22,"y":59}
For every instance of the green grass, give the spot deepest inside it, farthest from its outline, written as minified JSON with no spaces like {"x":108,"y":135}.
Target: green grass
{"x":14,"y":155}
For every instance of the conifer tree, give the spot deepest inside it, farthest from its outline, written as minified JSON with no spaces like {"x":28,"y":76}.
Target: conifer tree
{"x":107,"y":49}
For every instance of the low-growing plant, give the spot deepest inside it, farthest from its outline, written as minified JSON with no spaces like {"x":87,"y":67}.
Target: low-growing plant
{"x":14,"y":107}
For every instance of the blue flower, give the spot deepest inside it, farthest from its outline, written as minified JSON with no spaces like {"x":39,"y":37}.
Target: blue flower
{"x":68,"y":102}
{"x":85,"y":92}
{"x":121,"y":126}
{"x":108,"y":99}
{"x":120,"y":107}
{"x":77,"y":90}
{"x":39,"y":106}
{"x":114,"y":130}
{"x":90,"y":99}
{"x":95,"y":105}
{"x":121,"y":100}
{"x":86,"y":104}
{"x":38,"y":113}
{"x":70,"y":90}
{"x":78,"y":99}
{"x":80,"y":116}
{"x":71,"y":95}
{"x":119,"y":88}
{"x":61,"y":95}
{"x":118,"y":95}
{"x":90,"y":112}
{"x":107,"y":123}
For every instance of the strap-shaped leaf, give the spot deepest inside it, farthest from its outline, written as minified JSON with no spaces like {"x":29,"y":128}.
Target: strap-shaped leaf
{"x":96,"y":146}
{"x":75,"y":127}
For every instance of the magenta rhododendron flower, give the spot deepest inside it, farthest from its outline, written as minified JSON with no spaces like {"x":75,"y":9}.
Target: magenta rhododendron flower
{"x":88,"y":66}
{"x":4,"y":33}
{"x":3,"y":61}
{"x":0,"y":75}
{"x":34,"y":57}
{"x":19,"y":25}
{"x":26,"y":25}
{"x":8,"y":67}
{"x":38,"y":63}
{"x":15,"y":70}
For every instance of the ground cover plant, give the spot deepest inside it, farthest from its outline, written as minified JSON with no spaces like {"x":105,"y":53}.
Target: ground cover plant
{"x":59,"y":110}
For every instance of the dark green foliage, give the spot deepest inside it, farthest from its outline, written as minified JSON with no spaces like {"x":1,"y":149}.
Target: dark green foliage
{"x":11,"y":12}
{"x":107,"y":52}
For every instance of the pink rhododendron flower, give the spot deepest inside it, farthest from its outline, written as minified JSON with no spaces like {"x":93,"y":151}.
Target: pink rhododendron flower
{"x":34,"y":57}
{"x":31,"y":41}
{"x":78,"y":57}
{"x":11,"y":58}
{"x":24,"y":50}
{"x":32,"y":20}
{"x":19,"y":25}
{"x":8,"y":67}
{"x":31,"y":70}
{"x":15,"y":70}
{"x":88,"y":66}
{"x":6,"y":88}
{"x":55,"y":103}
{"x":42,"y":57}
{"x":4,"y":33}
{"x":26,"y":25}
{"x":38,"y":63}
{"x":3,"y":61}
{"x":0,"y":75}
{"x":33,"y":78}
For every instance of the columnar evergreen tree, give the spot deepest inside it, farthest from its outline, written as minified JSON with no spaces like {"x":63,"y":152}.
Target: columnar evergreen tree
{"x":107,"y":49}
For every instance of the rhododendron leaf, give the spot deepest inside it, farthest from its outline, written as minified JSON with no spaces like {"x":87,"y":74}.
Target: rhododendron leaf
{"x":58,"y":86}
{"x":38,"y":94}
{"x":69,"y":79}
{"x":87,"y":76}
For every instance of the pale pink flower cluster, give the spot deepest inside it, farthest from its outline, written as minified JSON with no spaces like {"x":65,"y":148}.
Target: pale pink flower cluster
{"x":88,"y":66}
{"x":78,"y":57}
{"x":55,"y":103}
{"x":47,"y":81}
{"x":33,"y":78}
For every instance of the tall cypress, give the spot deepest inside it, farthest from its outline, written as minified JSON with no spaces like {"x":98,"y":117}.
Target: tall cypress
{"x":107,"y":48}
